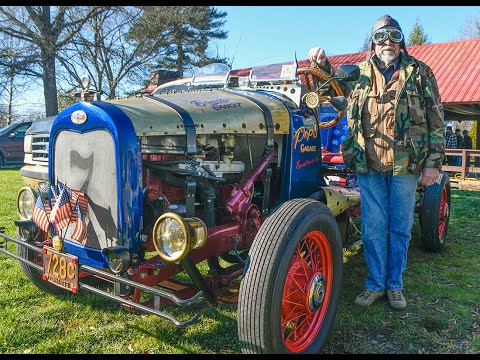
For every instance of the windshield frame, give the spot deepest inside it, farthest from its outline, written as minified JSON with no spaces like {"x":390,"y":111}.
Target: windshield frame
{"x":203,"y":75}
{"x":279,"y":72}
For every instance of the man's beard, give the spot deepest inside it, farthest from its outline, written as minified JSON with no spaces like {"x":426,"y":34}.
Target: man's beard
{"x":388,"y":58}
{"x":387,"y":54}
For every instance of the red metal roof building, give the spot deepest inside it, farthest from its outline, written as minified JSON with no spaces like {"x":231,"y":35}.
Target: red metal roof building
{"x":455,"y":64}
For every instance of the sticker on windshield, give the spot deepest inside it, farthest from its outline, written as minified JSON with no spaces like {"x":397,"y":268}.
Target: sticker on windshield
{"x":287,"y":71}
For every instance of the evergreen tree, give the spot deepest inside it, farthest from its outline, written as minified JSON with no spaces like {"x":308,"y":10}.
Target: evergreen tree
{"x":188,"y":29}
{"x":417,"y":35}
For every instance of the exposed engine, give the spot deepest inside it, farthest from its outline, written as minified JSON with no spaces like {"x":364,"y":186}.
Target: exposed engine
{"x":220,"y":164}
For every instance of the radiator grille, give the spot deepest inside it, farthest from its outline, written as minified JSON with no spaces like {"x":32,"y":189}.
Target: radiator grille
{"x":40,"y":147}
{"x":86,"y":162}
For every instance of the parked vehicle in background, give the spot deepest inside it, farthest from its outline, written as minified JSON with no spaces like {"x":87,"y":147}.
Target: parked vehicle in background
{"x":11,"y":142}
{"x":35,"y":152}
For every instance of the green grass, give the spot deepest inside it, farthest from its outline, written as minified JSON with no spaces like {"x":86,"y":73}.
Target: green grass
{"x":442,"y":290}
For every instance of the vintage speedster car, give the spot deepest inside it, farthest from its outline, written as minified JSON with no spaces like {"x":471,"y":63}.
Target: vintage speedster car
{"x":227,"y":175}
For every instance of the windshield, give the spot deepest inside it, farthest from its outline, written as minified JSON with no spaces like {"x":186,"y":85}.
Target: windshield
{"x":212,"y":74}
{"x":7,"y":129}
{"x":285,"y":71}
{"x":173,"y":86}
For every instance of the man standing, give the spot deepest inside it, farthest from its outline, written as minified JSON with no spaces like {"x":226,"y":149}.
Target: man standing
{"x":467,"y":144}
{"x":460,"y":145}
{"x":396,"y":123}
{"x":450,"y":143}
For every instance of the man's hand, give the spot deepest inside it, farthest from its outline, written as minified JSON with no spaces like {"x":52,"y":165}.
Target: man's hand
{"x":317,"y":55}
{"x":429,"y":176}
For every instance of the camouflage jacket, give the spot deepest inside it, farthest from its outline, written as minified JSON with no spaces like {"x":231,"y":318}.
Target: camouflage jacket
{"x":419,"y":119}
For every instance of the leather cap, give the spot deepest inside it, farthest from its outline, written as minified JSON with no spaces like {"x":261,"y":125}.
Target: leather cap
{"x":385,"y":20}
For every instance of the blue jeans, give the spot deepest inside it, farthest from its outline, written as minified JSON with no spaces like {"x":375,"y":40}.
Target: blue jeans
{"x":458,"y":160}
{"x":387,"y":205}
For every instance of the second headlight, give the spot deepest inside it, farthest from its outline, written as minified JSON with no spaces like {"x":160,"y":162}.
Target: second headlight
{"x":26,"y":202}
{"x":174,"y":237}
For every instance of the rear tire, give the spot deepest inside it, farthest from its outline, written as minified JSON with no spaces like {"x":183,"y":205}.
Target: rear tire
{"x":434,"y":214}
{"x":290,"y":292}
{"x":32,"y":274}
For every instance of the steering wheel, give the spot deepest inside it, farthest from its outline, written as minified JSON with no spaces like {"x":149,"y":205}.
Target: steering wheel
{"x":312,"y":99}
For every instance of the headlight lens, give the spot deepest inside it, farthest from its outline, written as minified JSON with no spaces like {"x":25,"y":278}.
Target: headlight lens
{"x":174,"y":236}
{"x":26,"y":202}
{"x":170,"y":237}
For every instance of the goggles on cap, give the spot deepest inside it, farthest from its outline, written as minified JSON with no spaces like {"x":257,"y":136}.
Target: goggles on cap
{"x":381,"y":35}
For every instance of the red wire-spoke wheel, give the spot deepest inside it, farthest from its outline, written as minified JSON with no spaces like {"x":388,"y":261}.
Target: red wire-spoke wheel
{"x":434,"y":213}
{"x":290,"y":291}
{"x":307,"y":292}
{"x":444,"y":209}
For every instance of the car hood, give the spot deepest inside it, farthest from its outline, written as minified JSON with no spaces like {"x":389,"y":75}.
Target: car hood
{"x":212,"y":111}
{"x":41,"y":126}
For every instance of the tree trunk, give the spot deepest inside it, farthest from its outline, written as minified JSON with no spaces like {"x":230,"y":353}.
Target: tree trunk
{"x":49,"y":85}
{"x":180,"y":56}
{"x":10,"y":97}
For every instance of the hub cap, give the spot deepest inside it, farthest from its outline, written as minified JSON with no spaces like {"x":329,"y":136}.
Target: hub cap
{"x":316,"y":293}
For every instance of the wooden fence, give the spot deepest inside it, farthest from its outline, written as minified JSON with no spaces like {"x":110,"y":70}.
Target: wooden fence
{"x":464,"y":169}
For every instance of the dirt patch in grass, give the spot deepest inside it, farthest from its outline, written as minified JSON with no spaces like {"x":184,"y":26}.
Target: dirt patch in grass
{"x":470,"y":185}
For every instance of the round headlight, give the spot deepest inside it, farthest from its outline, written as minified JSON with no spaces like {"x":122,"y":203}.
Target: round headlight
{"x":174,"y":237}
{"x":199,"y":232}
{"x":170,"y":237}
{"x":26,"y":202}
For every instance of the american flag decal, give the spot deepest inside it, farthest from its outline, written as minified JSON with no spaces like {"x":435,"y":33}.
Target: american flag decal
{"x":40,"y":215}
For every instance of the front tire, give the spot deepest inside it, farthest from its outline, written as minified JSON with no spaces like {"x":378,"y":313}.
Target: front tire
{"x":290,"y":292}
{"x":435,"y":214}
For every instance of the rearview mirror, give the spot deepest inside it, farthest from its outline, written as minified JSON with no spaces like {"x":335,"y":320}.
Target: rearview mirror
{"x":348,"y":72}
{"x":12,"y":136}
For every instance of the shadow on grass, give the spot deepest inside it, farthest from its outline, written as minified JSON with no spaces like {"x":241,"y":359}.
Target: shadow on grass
{"x":216,"y":330}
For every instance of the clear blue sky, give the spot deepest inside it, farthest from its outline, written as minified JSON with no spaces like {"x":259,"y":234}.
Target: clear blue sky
{"x":268,"y":34}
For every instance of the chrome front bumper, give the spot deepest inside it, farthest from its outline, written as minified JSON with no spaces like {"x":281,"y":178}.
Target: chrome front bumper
{"x":116,"y":280}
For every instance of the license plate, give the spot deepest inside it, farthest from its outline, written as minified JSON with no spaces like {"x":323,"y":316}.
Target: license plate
{"x":60,"y":269}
